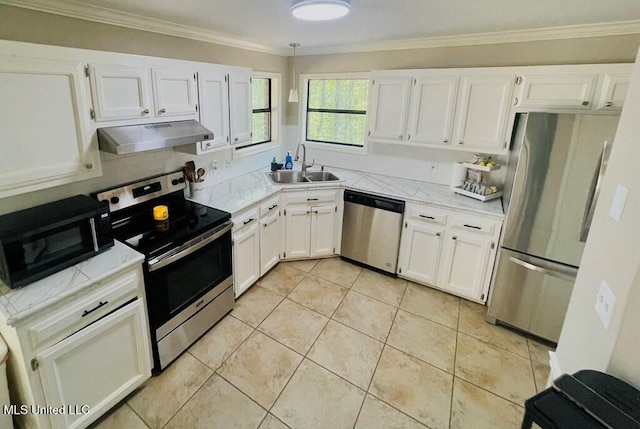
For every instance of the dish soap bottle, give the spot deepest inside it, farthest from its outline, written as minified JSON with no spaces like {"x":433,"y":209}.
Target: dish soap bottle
{"x":288,"y":162}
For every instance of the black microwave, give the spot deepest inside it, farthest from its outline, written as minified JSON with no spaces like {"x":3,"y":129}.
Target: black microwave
{"x":43,"y":240}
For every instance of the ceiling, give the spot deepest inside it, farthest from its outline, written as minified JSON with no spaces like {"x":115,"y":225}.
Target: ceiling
{"x":267,"y":25}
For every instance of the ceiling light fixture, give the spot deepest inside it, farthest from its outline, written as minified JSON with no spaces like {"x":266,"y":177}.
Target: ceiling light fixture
{"x":320,"y":10}
{"x":293,"y":93}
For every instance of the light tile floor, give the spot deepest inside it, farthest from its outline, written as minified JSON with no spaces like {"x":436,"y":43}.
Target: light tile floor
{"x":327,"y":344}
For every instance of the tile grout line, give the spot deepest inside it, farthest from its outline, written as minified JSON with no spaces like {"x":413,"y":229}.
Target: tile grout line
{"x":455,"y":359}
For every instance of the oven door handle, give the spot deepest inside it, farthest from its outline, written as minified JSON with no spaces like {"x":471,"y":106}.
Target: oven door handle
{"x":164,"y":260}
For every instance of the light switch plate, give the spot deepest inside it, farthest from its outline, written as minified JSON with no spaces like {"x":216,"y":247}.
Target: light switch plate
{"x":619,"y":200}
{"x":605,"y":304}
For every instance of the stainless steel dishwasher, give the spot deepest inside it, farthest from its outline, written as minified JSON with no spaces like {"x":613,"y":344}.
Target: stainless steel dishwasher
{"x":371,"y":230}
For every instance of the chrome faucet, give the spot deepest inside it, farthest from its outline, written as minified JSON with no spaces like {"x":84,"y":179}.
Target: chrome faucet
{"x":304,"y":157}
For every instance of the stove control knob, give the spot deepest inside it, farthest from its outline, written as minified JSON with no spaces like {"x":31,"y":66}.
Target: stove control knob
{"x":114,"y":200}
{"x":174,"y":182}
{"x":181,"y":180}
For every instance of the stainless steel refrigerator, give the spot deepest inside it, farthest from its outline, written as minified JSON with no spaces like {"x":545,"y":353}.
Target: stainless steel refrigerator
{"x":555,"y":170}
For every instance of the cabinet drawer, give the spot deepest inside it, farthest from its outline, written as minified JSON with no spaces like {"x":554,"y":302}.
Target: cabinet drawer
{"x":82,"y":312}
{"x":313,"y":197}
{"x":426,"y":214}
{"x":475,"y":224}
{"x":246,"y":218}
{"x":270,"y":206}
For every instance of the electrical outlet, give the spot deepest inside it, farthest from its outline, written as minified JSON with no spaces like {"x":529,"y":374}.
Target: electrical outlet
{"x":434,"y":167}
{"x":214,"y":165}
{"x":605,"y":303}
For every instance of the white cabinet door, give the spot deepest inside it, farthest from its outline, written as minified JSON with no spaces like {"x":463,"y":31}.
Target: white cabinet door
{"x":55,"y":149}
{"x":240,"y":107}
{"x":572,"y":91}
{"x":174,"y":92}
{"x":97,"y":366}
{"x":323,"y":230}
{"x":270,"y":238}
{"x":297,"y":241}
{"x":120,"y":92}
{"x":246,"y":257}
{"x":213,"y":91}
{"x":614,"y":91}
{"x":433,"y":103}
{"x":482,"y":113}
{"x":389,"y":107}
{"x":464,"y":264}
{"x":420,"y":250}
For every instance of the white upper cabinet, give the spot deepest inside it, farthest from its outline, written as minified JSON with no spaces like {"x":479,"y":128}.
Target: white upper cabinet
{"x":213,"y":91}
{"x":388,"y":107}
{"x":573,"y":91}
{"x":120,"y":92}
{"x":433,"y":103}
{"x":174,"y":92}
{"x":45,"y":122}
{"x":614,"y":91}
{"x":240,"y":107}
{"x":483,"y":112}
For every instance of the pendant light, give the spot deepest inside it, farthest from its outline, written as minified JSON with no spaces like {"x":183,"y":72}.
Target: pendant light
{"x":293,"y":93}
{"x":320,"y":10}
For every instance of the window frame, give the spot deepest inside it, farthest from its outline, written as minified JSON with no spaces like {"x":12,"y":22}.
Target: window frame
{"x":275,"y":105}
{"x":302,"y":113}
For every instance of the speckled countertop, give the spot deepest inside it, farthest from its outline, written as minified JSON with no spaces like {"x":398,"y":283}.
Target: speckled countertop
{"x":236,"y":194}
{"x":18,"y":304}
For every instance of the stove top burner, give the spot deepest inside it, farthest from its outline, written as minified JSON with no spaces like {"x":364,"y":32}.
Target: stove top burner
{"x":187,"y":220}
{"x":132,"y":218}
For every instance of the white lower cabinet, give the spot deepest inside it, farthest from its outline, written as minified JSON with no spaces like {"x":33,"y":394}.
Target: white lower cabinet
{"x":246,"y":251}
{"x":81,"y":356}
{"x":257,"y":238}
{"x":420,"y":251}
{"x":270,"y":235}
{"x":452,"y":251}
{"x":96,"y":367}
{"x":465,"y":262}
{"x":311,"y":224}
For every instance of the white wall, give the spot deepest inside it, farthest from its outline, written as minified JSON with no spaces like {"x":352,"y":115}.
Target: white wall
{"x":612,"y":254}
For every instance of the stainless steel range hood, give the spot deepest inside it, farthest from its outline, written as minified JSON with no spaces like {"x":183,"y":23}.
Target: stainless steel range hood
{"x":140,"y":138}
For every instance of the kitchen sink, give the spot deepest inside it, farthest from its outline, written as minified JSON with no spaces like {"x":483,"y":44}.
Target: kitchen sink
{"x":290,"y":177}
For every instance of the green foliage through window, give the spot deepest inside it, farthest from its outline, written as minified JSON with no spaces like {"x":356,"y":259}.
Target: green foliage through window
{"x":336,"y":111}
{"x":261,"y":119}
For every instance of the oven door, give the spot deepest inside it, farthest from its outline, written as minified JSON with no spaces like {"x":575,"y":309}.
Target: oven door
{"x":198,"y":271}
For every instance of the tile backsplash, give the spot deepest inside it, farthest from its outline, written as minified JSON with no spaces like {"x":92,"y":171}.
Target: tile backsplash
{"x":119,"y":169}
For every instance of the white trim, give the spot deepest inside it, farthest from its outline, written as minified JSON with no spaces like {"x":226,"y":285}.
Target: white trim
{"x":76,"y":9}
{"x":536,"y":34}
{"x":101,"y":14}
{"x":555,"y":366}
{"x":303,"y":81}
{"x":276,"y":82}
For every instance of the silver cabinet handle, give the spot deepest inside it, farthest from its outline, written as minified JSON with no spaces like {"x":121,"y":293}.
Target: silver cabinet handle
{"x":94,"y":234}
{"x":145,"y":112}
{"x":532,"y":267}
{"x":515,"y":101}
{"x":163,"y":110}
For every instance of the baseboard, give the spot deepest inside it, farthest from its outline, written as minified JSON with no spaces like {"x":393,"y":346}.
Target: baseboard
{"x":555,"y":368}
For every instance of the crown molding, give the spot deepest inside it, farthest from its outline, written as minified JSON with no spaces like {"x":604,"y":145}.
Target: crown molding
{"x":532,"y":35}
{"x":103,"y":15}
{"x":77,"y":9}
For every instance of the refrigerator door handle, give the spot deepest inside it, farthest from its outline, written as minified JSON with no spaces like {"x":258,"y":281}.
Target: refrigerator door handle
{"x":532,"y":267}
{"x":594,"y":191}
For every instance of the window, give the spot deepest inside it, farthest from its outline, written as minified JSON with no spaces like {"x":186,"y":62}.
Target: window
{"x":336,"y":110}
{"x":261,"y":119}
{"x":265,"y":116}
